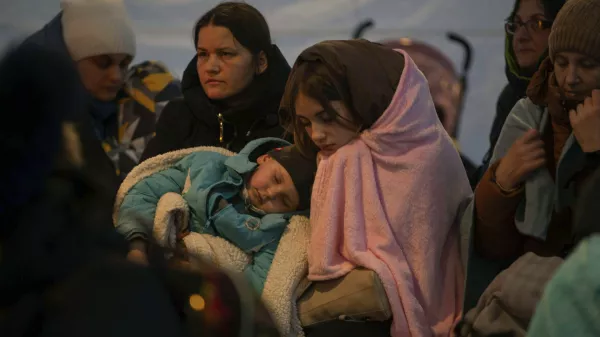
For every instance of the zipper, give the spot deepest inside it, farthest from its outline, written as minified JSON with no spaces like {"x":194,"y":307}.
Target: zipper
{"x":235,"y":134}
{"x":251,"y":128}
{"x":221,"y":128}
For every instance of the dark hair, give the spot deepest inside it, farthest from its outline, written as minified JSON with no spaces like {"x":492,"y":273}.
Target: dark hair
{"x":316,"y":81}
{"x":551,"y":8}
{"x":245,"y":22}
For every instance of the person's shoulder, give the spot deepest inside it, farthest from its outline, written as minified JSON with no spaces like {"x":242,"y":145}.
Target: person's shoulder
{"x":527,"y":104}
{"x":183,"y":112}
{"x":508,"y":93}
{"x":207,"y":164}
{"x":352,"y":152}
{"x":49,"y":36}
{"x":177,"y":113}
{"x":527,"y":112}
{"x":506,"y":100}
{"x":177,"y":105}
{"x":207,"y":157}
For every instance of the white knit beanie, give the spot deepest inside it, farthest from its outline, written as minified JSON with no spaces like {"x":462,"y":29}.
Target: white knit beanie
{"x":96,"y":27}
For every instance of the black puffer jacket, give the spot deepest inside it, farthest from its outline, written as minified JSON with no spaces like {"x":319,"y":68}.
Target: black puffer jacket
{"x":518,"y":80}
{"x":194,"y":120}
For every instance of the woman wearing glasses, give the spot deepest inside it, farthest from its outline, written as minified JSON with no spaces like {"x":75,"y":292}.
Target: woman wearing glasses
{"x":527,"y":29}
{"x":546,"y":147}
{"x":549,"y":144}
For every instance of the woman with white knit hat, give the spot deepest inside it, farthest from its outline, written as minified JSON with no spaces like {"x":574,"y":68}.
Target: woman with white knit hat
{"x":98,"y":37}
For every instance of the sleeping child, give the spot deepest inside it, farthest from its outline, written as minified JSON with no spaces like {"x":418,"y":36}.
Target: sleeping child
{"x":246,"y":199}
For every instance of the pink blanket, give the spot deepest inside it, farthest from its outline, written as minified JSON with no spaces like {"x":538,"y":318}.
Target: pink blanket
{"x":388,"y":201}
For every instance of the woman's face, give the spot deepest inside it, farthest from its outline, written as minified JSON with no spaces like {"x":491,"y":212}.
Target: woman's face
{"x":328,"y":132}
{"x":104,"y":75}
{"x":576,"y":74}
{"x":224,"y":66}
{"x":530,"y":41}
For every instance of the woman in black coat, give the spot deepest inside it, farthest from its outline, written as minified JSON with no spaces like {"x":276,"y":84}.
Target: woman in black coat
{"x":231,"y":88}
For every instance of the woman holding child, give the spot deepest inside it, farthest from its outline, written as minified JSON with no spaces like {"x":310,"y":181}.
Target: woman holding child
{"x":389,"y":184}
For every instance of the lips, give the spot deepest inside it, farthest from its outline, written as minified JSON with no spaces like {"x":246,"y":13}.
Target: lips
{"x":327,"y":149}
{"x":213,"y":82}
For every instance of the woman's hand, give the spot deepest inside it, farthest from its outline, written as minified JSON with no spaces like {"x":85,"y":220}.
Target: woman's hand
{"x":586,"y":123}
{"x":525,"y":156}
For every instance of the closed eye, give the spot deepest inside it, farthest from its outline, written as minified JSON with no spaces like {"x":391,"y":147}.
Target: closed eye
{"x":325,"y":116}
{"x":103,"y":61}
{"x":303,"y":122}
{"x":588,"y":64}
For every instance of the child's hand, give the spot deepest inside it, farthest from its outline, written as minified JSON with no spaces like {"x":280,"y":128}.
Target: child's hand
{"x":137,"y":252}
{"x":138,"y":256}
{"x":222,"y":203}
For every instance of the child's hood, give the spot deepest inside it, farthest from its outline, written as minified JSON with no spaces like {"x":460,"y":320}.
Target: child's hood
{"x":245,"y":161}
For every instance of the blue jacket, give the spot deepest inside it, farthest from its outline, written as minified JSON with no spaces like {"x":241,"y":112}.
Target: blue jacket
{"x":213,"y":176}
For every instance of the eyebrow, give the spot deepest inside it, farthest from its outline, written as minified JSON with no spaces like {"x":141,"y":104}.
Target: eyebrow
{"x":219,"y":49}
{"x":321,"y":113}
{"x":532,"y":16}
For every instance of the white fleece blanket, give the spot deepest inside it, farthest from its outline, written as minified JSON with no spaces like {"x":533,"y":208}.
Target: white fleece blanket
{"x":289,"y":266}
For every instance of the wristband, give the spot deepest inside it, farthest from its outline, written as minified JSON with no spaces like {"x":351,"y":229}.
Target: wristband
{"x":504,"y":190}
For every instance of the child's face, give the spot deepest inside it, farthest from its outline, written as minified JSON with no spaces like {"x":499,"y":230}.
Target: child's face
{"x":271,"y":188}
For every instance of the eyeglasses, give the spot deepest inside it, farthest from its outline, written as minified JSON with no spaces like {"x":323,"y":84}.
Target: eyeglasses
{"x":533,"y":25}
